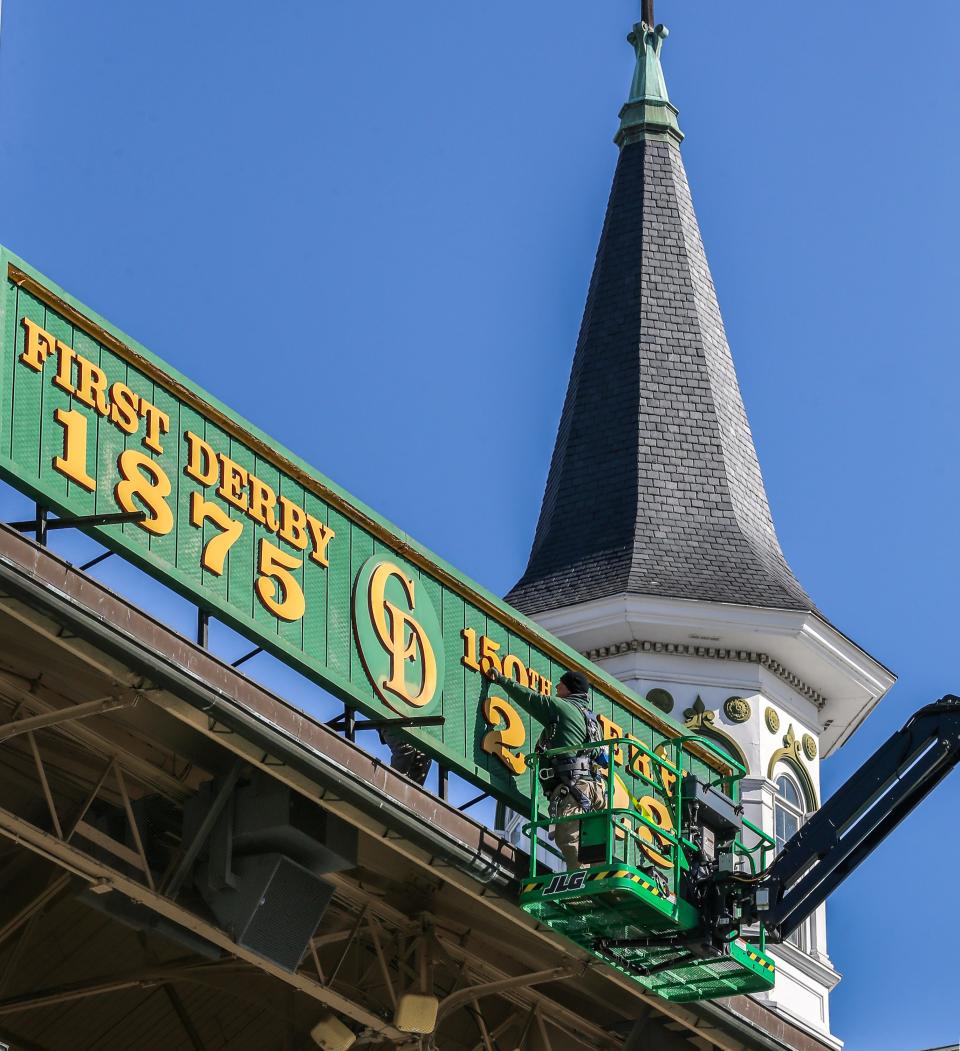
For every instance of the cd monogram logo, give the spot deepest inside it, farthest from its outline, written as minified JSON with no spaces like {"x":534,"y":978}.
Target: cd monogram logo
{"x":398,"y":635}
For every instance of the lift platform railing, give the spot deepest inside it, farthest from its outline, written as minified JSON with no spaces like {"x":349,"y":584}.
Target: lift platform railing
{"x":630,"y":834}
{"x":730,"y":783}
{"x":765,"y":846}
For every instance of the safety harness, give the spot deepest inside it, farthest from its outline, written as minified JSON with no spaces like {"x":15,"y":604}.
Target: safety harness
{"x":562,"y":772}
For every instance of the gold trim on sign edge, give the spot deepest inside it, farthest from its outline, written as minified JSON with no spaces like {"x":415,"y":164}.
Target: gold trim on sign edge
{"x":19,"y":278}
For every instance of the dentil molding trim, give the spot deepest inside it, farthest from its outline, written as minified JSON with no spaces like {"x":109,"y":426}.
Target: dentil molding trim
{"x":684,"y":649}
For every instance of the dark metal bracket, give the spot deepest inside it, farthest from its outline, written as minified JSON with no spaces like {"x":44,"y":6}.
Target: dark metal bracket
{"x":43,"y":524}
{"x":342,"y":722}
{"x":203,"y":628}
{"x":96,"y":561}
{"x":474,"y":801}
{"x":246,"y":657}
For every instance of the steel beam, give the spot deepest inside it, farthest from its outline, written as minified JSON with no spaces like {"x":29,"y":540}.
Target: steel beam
{"x":16,"y":955}
{"x":38,"y":904}
{"x":520,"y":981}
{"x":481,"y":1026}
{"x":17,"y":829}
{"x":374,"y":929}
{"x":185,"y":1021}
{"x":210,"y":818}
{"x":64,"y":715}
{"x":99,"y":986}
{"x":143,"y":770}
{"x":45,"y":785}
{"x":495,"y":1035}
{"x":541,"y":1027}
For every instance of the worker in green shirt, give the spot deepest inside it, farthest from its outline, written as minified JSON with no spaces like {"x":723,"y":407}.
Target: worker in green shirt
{"x":572,"y":781}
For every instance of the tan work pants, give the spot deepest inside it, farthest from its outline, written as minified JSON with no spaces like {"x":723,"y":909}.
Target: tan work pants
{"x":567,"y":834}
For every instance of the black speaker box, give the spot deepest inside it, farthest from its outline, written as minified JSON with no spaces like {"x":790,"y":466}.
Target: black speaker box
{"x":274,"y":909}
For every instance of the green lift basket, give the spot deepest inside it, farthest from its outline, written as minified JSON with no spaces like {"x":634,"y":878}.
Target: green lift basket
{"x":629,"y":906}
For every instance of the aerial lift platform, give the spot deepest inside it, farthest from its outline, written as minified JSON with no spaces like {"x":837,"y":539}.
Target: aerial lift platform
{"x":683,"y":894}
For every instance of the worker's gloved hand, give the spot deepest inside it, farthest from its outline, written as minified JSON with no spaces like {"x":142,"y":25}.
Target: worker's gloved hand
{"x":493,"y":675}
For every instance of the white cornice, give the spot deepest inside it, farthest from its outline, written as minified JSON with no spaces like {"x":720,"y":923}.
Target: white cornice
{"x":684,"y":649}
{"x":820,"y":972}
{"x":812,"y":657}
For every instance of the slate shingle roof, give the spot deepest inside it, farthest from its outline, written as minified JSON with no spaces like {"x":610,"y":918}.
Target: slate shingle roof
{"x":654,"y":487}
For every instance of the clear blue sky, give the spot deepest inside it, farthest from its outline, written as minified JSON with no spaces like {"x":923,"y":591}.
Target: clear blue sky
{"x":369,"y":228}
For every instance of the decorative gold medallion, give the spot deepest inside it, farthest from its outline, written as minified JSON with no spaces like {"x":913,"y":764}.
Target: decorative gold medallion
{"x":772,"y":720}
{"x":809,"y":747}
{"x":398,"y":635}
{"x":737,"y":709}
{"x":697,"y":717}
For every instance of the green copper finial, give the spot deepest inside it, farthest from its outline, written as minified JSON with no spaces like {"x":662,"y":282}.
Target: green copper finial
{"x":648,"y":113}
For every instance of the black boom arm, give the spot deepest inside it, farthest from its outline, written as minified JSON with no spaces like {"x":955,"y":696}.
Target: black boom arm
{"x":857,"y":818}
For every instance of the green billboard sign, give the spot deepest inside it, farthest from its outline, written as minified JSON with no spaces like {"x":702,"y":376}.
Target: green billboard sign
{"x":94,"y":424}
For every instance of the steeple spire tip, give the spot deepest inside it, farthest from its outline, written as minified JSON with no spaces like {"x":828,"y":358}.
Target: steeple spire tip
{"x":648,"y":113}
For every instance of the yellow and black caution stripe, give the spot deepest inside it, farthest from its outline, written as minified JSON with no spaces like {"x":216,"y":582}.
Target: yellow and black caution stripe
{"x":626,"y":874}
{"x":632,"y":876}
{"x":757,"y":958}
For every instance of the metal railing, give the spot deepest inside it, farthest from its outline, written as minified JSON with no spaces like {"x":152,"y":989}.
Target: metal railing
{"x":632,"y":834}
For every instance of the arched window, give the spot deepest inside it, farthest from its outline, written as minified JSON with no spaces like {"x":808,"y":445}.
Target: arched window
{"x":788,"y":815}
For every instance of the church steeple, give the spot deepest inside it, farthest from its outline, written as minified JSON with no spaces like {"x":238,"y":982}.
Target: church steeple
{"x":654,"y":487}
{"x":655,"y":553}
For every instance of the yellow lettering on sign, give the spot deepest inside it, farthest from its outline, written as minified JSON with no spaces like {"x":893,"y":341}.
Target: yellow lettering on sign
{"x":263,"y":502}
{"x":39,"y":345}
{"x":201,"y":462}
{"x":73,"y":463}
{"x":621,"y":801}
{"x":124,"y":407}
{"x":233,"y":480}
{"x":667,"y":779}
{"x":246,"y":492}
{"x":92,"y":385}
{"x":215,"y":550}
{"x":514,"y":668}
{"x":158,"y":423}
{"x":276,"y":588}
{"x":489,"y":659}
{"x":64,"y":375}
{"x":401,"y":636}
{"x":144,"y":480}
{"x":486,"y":658}
{"x":653,"y":843}
{"x":293,"y":524}
{"x":500,"y":740}
{"x":469,"y":658}
{"x":320,"y":536}
{"x":640,"y":764}
{"x":612,"y":732}
{"x":84,"y":380}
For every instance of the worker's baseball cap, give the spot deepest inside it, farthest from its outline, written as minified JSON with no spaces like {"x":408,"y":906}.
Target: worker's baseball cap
{"x":575,"y":681}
